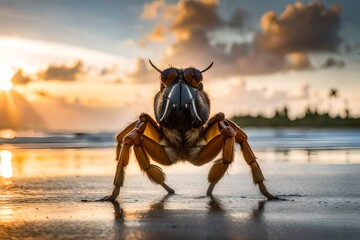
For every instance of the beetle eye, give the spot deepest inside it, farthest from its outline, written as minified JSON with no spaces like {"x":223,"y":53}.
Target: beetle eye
{"x":193,"y":77}
{"x":168,"y":76}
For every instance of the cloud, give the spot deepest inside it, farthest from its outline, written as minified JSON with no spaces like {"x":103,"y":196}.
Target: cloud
{"x":69,"y":101}
{"x":193,"y":16}
{"x":332,"y":62}
{"x":68,"y":73}
{"x":117,"y":81}
{"x":193,"y":23}
{"x":109,"y":70}
{"x":281,"y":44}
{"x":75,"y":112}
{"x":142,"y":73}
{"x":301,"y":27}
{"x":150,"y":10}
{"x":44,"y":94}
{"x":299,"y":61}
{"x":238,"y":18}
{"x":78,"y":116}
{"x":63,"y":72}
{"x":234,"y":98}
{"x":157,"y":35}
{"x":19,"y":77}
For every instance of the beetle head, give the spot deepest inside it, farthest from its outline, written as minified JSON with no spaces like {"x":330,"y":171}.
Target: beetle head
{"x":181,"y":102}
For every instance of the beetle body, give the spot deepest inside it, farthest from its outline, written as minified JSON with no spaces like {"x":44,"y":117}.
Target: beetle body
{"x":182,"y":130}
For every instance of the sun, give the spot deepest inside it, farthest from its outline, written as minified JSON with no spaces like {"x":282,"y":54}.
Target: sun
{"x":5,"y":79}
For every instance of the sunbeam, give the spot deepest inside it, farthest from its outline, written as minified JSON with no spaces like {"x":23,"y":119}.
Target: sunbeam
{"x":10,"y":119}
{"x":17,"y":113}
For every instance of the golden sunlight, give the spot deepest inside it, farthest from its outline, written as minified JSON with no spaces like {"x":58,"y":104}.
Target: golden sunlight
{"x":7,"y":133}
{"x":5,"y":79}
{"x":6,"y":170}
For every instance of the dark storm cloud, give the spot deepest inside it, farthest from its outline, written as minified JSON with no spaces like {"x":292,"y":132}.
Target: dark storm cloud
{"x":237,"y":18}
{"x":282,"y":43}
{"x":301,"y":27}
{"x":192,"y":24}
{"x":196,"y":16}
{"x":63,"y":72}
{"x":332,"y":62}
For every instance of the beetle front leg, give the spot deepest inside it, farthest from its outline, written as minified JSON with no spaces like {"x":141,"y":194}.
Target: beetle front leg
{"x":223,"y":141}
{"x":135,"y":138}
{"x":220,"y":126}
{"x":220,"y":166}
{"x":120,"y":168}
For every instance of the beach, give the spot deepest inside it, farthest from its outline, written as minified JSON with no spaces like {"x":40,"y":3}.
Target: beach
{"x":43,"y":199}
{"x":182,"y":81}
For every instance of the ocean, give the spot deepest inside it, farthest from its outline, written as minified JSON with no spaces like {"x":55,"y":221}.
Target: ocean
{"x":259,"y":138}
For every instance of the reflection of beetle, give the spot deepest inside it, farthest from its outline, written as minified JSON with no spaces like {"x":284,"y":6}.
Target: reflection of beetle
{"x":182,"y":132}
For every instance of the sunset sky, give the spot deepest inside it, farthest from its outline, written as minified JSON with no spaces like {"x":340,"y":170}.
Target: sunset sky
{"x":82,"y":65}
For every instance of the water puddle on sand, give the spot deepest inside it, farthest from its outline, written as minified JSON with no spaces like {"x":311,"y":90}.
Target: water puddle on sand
{"x":100,"y":162}
{"x":48,"y":185}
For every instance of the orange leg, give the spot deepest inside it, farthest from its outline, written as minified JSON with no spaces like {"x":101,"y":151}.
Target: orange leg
{"x":120,"y":137}
{"x":142,"y":146}
{"x":219,"y":126}
{"x":221,"y":139}
{"x":220,"y":166}
{"x":249,"y":156}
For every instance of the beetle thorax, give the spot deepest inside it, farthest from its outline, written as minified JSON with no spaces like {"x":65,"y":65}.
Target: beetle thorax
{"x":182,"y":145}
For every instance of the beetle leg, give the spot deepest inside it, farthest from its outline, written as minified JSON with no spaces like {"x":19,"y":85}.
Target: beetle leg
{"x":249,"y":156}
{"x":121,"y":136}
{"x":215,"y":139}
{"x":221,"y":137}
{"x":155,"y":173}
{"x":217,"y":127}
{"x":209,"y":151}
{"x":135,"y":138}
{"x":220,"y":166}
{"x":156,"y":151}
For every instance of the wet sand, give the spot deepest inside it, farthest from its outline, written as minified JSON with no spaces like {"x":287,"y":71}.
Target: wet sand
{"x":323,"y":202}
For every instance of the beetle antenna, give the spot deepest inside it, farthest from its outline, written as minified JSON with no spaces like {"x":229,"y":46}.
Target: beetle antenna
{"x":155,"y":67}
{"x":208,"y":67}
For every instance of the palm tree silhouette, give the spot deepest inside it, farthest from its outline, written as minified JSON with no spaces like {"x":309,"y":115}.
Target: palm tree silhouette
{"x":333,"y":93}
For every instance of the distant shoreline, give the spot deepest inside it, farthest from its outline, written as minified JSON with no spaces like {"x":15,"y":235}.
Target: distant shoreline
{"x":310,"y":120}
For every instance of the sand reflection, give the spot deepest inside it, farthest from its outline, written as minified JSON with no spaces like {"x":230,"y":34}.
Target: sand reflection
{"x":301,"y":156}
{"x":6,"y":170}
{"x":56,"y":162}
{"x":100,"y":162}
{"x":162,"y":222}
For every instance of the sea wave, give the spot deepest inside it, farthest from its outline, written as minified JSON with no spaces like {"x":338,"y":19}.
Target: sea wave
{"x":259,"y":138}
{"x":61,"y":140}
